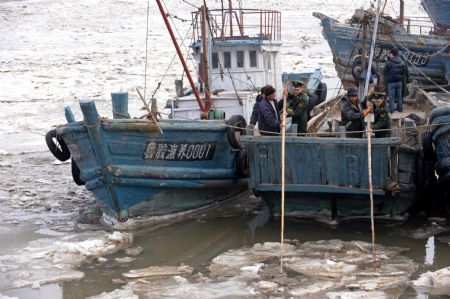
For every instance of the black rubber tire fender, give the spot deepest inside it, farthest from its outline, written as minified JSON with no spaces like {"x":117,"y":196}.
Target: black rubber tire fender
{"x":242,"y":164}
{"x":57,"y":146}
{"x":236,"y":124}
{"x":76,"y":174}
{"x":443,"y":130}
{"x":321,"y":92}
{"x":440,"y":121}
{"x":427,"y":145}
{"x":444,"y":110}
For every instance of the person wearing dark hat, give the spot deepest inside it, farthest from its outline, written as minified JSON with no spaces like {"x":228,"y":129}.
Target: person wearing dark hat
{"x":394,"y":72}
{"x":352,"y":116}
{"x":297,"y":105}
{"x":382,"y":121}
{"x":268,"y":117}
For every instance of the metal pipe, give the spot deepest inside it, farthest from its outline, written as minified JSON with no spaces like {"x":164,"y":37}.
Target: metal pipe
{"x":180,"y":55}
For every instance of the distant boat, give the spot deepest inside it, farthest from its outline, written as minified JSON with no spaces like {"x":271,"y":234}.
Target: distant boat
{"x":420,"y":51}
{"x":439,"y":12}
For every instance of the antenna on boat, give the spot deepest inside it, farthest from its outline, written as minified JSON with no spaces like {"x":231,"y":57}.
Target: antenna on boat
{"x":204,"y":111}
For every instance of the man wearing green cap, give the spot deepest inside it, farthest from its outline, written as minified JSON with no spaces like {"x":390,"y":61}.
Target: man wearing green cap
{"x":381,"y":114}
{"x":297,"y":105}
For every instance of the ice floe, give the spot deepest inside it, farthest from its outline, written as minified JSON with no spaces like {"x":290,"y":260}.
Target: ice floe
{"x":56,"y":259}
{"x":320,"y":269}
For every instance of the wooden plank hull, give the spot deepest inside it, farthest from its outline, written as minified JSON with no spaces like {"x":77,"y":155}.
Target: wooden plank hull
{"x":133,"y":170}
{"x":438,"y":11}
{"x":326,"y":175}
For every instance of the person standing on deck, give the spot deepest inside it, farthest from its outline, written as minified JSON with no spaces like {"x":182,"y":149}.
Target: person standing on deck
{"x":394,"y":73}
{"x":357,"y":72}
{"x":268,"y":117}
{"x":259,"y":97}
{"x":382,"y":121}
{"x":352,"y":116}
{"x":297,"y":105}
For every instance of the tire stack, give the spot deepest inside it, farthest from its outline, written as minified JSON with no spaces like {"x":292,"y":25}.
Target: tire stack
{"x":440,"y":133}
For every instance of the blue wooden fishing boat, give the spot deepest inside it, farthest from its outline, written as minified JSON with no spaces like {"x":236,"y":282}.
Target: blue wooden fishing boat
{"x":165,"y":168}
{"x":327,"y":174}
{"x":420,"y":51}
{"x":439,"y":12}
{"x":134,"y":170}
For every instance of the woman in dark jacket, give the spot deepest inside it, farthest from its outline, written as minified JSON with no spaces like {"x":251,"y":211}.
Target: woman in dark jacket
{"x":259,"y":97}
{"x":268,"y":117}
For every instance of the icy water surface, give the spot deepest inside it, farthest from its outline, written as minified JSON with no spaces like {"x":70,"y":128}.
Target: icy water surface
{"x":53,"y":53}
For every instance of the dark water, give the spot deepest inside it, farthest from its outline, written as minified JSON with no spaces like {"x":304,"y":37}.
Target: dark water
{"x":196,"y":242}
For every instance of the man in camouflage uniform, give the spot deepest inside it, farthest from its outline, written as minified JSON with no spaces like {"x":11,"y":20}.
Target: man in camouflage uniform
{"x":297,"y":105}
{"x":381,"y":114}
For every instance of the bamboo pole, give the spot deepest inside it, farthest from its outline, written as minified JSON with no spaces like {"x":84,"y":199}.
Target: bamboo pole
{"x":283,"y":150}
{"x":369,"y":130}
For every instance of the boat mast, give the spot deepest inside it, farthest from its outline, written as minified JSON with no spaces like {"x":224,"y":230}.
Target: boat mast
{"x":180,"y":55}
{"x":205,"y":64}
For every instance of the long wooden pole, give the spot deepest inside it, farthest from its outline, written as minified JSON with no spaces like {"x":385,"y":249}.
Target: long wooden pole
{"x":369,"y":130}
{"x":283,"y":150}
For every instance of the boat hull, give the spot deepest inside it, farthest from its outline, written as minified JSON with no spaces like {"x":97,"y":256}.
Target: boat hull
{"x":329,"y":176}
{"x":134,"y":170}
{"x":438,"y":11}
{"x":420,"y":50}
{"x":339,"y":206}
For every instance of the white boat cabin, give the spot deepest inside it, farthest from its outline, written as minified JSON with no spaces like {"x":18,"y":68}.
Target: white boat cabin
{"x":240,"y":58}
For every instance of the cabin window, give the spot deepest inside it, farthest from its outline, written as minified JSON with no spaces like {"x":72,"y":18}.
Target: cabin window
{"x":227,"y":59}
{"x":240,"y":59}
{"x":253,"y":62}
{"x":215,"y":60}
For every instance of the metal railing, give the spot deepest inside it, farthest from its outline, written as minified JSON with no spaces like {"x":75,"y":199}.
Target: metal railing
{"x":240,"y":23}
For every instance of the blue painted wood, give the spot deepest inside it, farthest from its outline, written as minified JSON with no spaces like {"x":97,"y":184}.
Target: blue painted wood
{"x":332,"y":166}
{"x":438,"y":11}
{"x":120,"y":104}
{"x":342,"y":39}
{"x":69,"y":115}
{"x":446,"y":61}
{"x":120,"y":164}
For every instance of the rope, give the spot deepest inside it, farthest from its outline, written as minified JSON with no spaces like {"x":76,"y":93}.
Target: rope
{"x":168,"y":68}
{"x":220,"y":64}
{"x":190,"y":4}
{"x":316,"y":134}
{"x":178,"y":18}
{"x":146,"y":50}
